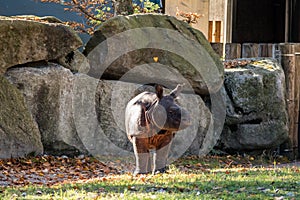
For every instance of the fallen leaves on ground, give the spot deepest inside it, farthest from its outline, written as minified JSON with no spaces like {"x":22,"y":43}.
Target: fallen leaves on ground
{"x":50,"y":170}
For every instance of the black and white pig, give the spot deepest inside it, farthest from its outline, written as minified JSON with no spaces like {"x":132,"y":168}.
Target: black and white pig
{"x":151,"y":120}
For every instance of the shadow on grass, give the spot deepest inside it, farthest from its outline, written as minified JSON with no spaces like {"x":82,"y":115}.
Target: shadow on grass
{"x":215,"y":185}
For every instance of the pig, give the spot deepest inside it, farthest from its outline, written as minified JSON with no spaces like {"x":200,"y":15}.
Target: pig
{"x":151,"y":121}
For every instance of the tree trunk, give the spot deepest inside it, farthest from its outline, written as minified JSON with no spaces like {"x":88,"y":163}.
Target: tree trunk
{"x":123,"y":7}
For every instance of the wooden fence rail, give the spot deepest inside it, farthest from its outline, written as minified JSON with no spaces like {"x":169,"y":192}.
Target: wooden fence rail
{"x":288,"y":55}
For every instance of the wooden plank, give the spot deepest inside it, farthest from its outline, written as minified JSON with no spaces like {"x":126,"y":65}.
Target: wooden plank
{"x":288,"y":64}
{"x":218,"y":31}
{"x":232,"y":51}
{"x":218,"y":48}
{"x":210,"y":31}
{"x":297,"y":99}
{"x":265,"y":50}
{"x":249,"y":50}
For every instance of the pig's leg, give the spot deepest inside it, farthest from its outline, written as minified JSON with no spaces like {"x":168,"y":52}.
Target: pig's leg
{"x":162,"y":152}
{"x":142,"y":156}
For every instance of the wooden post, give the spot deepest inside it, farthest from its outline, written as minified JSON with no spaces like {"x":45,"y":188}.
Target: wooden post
{"x":218,"y":48}
{"x":265,"y":50}
{"x":232,"y":51}
{"x":210,"y":31}
{"x":249,"y":50}
{"x":297,"y":98}
{"x":288,"y":64}
{"x":217,"y":32}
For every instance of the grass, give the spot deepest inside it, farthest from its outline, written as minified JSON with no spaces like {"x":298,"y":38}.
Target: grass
{"x":187,"y":179}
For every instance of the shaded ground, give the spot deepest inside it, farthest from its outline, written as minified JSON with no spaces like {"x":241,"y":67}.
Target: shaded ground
{"x":50,"y":170}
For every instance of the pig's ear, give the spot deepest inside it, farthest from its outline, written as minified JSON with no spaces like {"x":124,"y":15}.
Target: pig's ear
{"x":159,"y":91}
{"x":177,"y":90}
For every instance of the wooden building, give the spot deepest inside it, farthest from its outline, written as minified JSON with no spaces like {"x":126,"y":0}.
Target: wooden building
{"x":241,"y":21}
{"x":195,"y":6}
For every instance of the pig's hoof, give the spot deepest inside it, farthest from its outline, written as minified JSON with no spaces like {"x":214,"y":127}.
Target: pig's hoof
{"x":135,"y":173}
{"x":161,"y":171}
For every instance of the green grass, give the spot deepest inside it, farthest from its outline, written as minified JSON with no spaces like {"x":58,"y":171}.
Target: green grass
{"x":187,"y":179}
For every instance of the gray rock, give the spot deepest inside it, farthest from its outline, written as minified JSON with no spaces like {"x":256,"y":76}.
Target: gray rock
{"x":19,"y":134}
{"x":48,"y":91}
{"x":147,"y":48}
{"x":49,"y":19}
{"x":98,"y":131}
{"x":63,"y":105}
{"x":256,"y":107}
{"x":76,"y":62}
{"x":24,"y":40}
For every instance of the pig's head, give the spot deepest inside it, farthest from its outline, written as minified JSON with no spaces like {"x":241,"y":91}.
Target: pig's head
{"x":166,"y":114}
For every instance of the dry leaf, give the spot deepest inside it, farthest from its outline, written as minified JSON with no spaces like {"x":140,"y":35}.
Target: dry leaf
{"x":155,"y":59}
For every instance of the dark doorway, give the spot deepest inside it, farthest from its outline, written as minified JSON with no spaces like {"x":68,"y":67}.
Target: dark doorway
{"x":295,"y":21}
{"x":259,"y":21}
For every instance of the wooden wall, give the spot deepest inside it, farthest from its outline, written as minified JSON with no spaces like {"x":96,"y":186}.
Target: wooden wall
{"x":216,"y":20}
{"x":194,"y":6}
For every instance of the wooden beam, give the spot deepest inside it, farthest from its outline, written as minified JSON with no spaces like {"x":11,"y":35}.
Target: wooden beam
{"x":286,"y":25}
{"x":232,"y":51}
{"x":249,"y":50}
{"x":210,"y":31}
{"x":288,"y":64}
{"x":297,"y":99}
{"x":217,"y":33}
{"x":265,"y":50}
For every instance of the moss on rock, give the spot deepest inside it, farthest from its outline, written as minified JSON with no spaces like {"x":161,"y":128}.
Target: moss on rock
{"x":19,"y":134}
{"x":145,"y":36}
{"x":256,"y":107}
{"x":25,"y":40}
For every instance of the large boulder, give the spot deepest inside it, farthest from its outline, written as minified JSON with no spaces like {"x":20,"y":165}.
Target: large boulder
{"x":157,"y":44}
{"x":31,"y":39}
{"x":19,"y":134}
{"x":48,"y":92}
{"x":256,"y":107}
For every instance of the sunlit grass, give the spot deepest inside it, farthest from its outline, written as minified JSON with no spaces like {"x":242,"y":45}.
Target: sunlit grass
{"x":204,"y":183}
